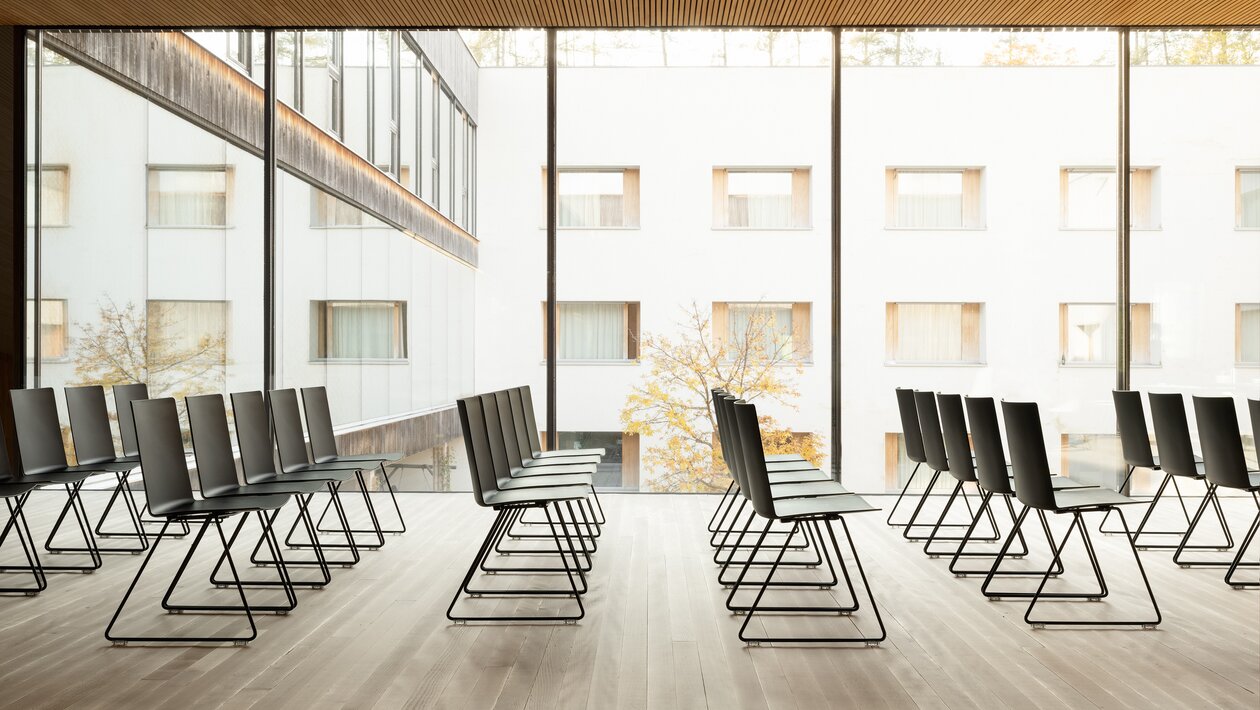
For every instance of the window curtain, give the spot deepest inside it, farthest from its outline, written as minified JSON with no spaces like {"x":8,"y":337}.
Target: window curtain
{"x":769,"y":324}
{"x":929,"y":200}
{"x":930,"y":332}
{"x":591,"y":331}
{"x":759,"y":211}
{"x":1091,"y":333}
{"x":1249,"y":186}
{"x":182,"y":328}
{"x":1249,"y":333}
{"x":188,"y":198}
{"x":368,"y":331}
{"x":591,"y":211}
{"x":53,"y":197}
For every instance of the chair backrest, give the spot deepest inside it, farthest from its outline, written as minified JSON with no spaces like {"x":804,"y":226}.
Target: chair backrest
{"x":1223,"y":459}
{"x":930,"y":430}
{"x":910,"y":433}
{"x":38,"y":431}
{"x":124,"y":395}
{"x":7,"y":471}
{"x":954,"y":431}
{"x":211,"y":444}
{"x":473,"y":425}
{"x":162,"y":459}
{"x":986,"y":440}
{"x":518,"y":420}
{"x":1135,"y":443}
{"x":286,"y":423}
{"x":253,"y":435}
{"x":1253,"y":408}
{"x":89,"y":424}
{"x":531,"y":425}
{"x":501,"y":462}
{"x":319,"y":426}
{"x":1028,"y":455}
{"x":729,"y":437}
{"x":756,"y":483}
{"x":516,"y":448}
{"x":1172,"y":434}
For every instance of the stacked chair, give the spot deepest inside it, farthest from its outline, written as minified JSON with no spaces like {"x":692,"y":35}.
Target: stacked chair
{"x":153,"y":442}
{"x":511,"y":476}
{"x":804,"y":500}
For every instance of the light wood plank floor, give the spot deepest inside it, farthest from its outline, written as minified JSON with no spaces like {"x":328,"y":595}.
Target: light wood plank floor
{"x":656,"y":634}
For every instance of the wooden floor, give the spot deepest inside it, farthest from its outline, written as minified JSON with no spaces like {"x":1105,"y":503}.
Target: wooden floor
{"x":656,"y":634}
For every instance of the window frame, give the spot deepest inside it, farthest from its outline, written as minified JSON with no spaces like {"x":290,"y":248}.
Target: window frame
{"x":321,"y":310}
{"x":631,"y":209}
{"x":33,"y":330}
{"x":633,"y":312}
{"x":1141,"y":316}
{"x":1154,"y":221}
{"x":64,"y":170}
{"x":1238,"y":336}
{"x":151,"y":194}
{"x":1238,"y":198}
{"x":978,"y":203}
{"x":802,"y":212}
{"x":892,"y":334}
{"x":802,"y":339}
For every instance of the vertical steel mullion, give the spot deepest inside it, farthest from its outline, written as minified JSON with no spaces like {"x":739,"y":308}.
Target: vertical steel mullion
{"x":269,"y":210}
{"x":836,"y":54}
{"x":551,"y":239}
{"x":1123,"y":218}
{"x":37,"y":219}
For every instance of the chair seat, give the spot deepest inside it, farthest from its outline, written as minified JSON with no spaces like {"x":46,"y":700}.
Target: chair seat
{"x":773,"y":458}
{"x":334,"y":475}
{"x":554,"y":470}
{"x":52,"y":478}
{"x":802,"y":476}
{"x":1077,"y":498}
{"x":565,"y":461}
{"x":810,"y":489}
{"x":362,"y":458}
{"x":112,"y":465}
{"x":13,"y":490}
{"x":534,"y":495}
{"x":825,"y":505}
{"x":220,"y":506}
{"x":789,"y":466}
{"x":560,"y":453}
{"x":571,"y":479}
{"x":258,"y":489}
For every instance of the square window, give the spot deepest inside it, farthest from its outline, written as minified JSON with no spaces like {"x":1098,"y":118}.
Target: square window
{"x":761,"y":198}
{"x":1247,"y":182}
{"x":596,"y":198}
{"x":934,"y":198}
{"x":1087,"y":334}
{"x":595,"y":331}
{"x":54,"y":333}
{"x":358,"y":330}
{"x":1247,"y":333}
{"x":54,"y":196}
{"x":188,"y":197}
{"x":934,"y":333}
{"x":763,"y":331}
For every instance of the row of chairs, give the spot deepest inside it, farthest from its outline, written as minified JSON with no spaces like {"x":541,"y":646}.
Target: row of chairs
{"x":152,"y":427}
{"x":512,"y":475}
{"x":784,"y":490}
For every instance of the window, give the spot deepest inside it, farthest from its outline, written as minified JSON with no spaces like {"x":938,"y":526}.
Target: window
{"x":774,"y":331}
{"x":329,"y":211}
{"x":1247,"y":185}
{"x":898,"y":467}
{"x":358,"y":330}
{"x":1087,"y":334}
{"x":1087,"y":198}
{"x":54,"y":196}
{"x":934,"y":198}
{"x":593,"y":330}
{"x":187,"y":336}
{"x":596,"y":198}
{"x":934,"y":333}
{"x":1247,"y":333}
{"x":54,"y":335}
{"x":336,"y":84}
{"x":761,"y":199}
{"x":188,"y":197}
{"x":620,"y":465}
{"x":1092,"y":459}
{"x":239,"y":50}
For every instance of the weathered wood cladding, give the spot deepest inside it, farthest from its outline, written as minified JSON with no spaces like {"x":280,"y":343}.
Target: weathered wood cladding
{"x":175,"y":72}
{"x":408,"y":436}
{"x":450,"y":56}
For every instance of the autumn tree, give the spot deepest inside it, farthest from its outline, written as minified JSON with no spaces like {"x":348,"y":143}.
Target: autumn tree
{"x":129,"y":345}
{"x":898,"y":49}
{"x":758,"y":360}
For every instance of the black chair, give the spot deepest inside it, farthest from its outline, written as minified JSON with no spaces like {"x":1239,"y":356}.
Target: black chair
{"x":937,"y":458}
{"x":43,"y":458}
{"x":124,"y":395}
{"x":1034,"y":488}
{"x":93,"y":442}
{"x":164,"y":466}
{"x":1135,"y":446}
{"x":15,"y":496}
{"x":319,"y":428}
{"x":507,"y":505}
{"x":216,"y":471}
{"x":913,"y":440}
{"x":1225,"y":465}
{"x":286,"y":423}
{"x":822,"y":510}
{"x":258,"y":466}
{"x":531,"y":424}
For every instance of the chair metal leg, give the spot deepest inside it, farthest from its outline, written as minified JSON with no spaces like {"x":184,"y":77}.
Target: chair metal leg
{"x":935,"y":535}
{"x":1078,"y":521}
{"x":74,"y":504}
{"x":1178,"y":557}
{"x":1124,"y":487}
{"x":334,"y":494}
{"x":269,"y":534}
{"x":389,"y":487}
{"x":1055,"y":569}
{"x":901,"y":495}
{"x":1242,"y":548}
{"x":813,"y":538}
{"x":961,"y":552}
{"x":725,"y":500}
{"x":17,"y":523}
{"x":911,"y":524}
{"x":268,"y":525}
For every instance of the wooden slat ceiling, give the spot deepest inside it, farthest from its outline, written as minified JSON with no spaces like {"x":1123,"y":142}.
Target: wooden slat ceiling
{"x":630,"y":13}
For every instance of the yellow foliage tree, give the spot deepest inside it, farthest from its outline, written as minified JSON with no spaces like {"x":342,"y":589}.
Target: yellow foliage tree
{"x":673,"y":401}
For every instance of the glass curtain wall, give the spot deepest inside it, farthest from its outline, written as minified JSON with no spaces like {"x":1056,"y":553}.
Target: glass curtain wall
{"x":1198,"y":263}
{"x":966,"y":156}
